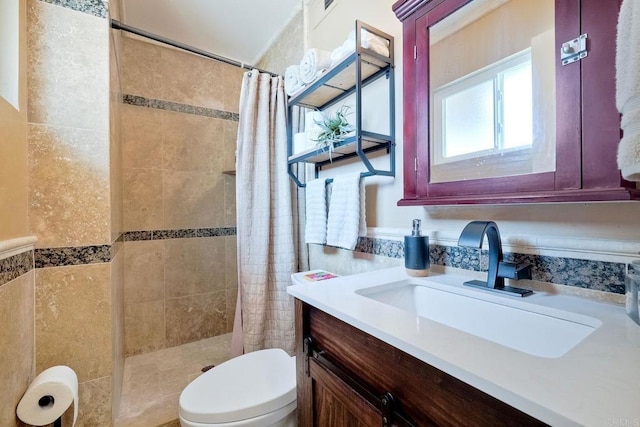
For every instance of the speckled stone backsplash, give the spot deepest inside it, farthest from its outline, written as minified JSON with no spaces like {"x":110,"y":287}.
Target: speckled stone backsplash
{"x":589,"y":274}
{"x":15,"y":266}
{"x":76,"y":255}
{"x":92,"y":7}
{"x":81,"y":255}
{"x":131,"y":236}
{"x":176,"y":107}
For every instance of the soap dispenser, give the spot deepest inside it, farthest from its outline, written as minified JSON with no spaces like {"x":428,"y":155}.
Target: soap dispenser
{"x":416,"y":252}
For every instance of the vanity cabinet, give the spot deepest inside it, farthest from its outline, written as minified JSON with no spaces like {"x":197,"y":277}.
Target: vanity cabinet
{"x":570,"y":134}
{"x":346,"y":377}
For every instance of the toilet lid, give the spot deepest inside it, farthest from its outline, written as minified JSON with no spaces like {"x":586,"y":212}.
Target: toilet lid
{"x":244,"y":387}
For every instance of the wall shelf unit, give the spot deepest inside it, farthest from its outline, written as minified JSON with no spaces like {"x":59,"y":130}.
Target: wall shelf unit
{"x":348,"y":77}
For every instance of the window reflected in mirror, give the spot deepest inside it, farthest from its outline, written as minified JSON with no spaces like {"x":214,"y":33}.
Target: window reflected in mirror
{"x":492,"y":91}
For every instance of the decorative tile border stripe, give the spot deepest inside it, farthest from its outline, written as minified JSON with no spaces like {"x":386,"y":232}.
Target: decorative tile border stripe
{"x":15,"y":266}
{"x":132,"y":236}
{"x":92,"y":7}
{"x":58,"y":257}
{"x":176,"y":107}
{"x":596,"y":275}
{"x":80,"y":255}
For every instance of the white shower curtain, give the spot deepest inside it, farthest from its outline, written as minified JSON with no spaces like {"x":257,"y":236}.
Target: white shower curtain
{"x":265,"y":221}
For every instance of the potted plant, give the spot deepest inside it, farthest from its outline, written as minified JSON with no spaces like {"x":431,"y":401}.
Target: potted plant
{"x":333,"y":128}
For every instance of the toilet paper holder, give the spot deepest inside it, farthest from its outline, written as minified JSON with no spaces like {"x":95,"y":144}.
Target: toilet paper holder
{"x":48,"y":397}
{"x":46,"y":401}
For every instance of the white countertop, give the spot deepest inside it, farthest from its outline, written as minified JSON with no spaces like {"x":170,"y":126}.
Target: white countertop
{"x":596,"y":383}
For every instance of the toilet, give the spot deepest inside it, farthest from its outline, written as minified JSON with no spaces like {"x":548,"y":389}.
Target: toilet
{"x":256,"y":389}
{"x":253,"y":390}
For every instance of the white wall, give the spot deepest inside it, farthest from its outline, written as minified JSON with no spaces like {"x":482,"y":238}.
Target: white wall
{"x":9,"y":51}
{"x":571,"y":222}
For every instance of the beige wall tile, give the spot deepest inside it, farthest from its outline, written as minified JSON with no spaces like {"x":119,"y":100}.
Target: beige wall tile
{"x":190,"y":79}
{"x":231,"y":262}
{"x":94,"y":403}
{"x":144,"y":327}
{"x":17,"y":344}
{"x":232,"y":299}
{"x":192,"y":199}
{"x":195,"y":317}
{"x":68,"y":69}
{"x":144,"y":271}
{"x":142,"y":199}
{"x":194,"y":266}
{"x":192,"y":143}
{"x":117,"y":328}
{"x":141,"y":69}
{"x":69,"y":186}
{"x":229,"y":143}
{"x":232,"y":82}
{"x":115,"y":9}
{"x":141,"y":137}
{"x":13,"y":177}
{"x":115,"y":151}
{"x":73,"y":319}
{"x":229,"y":200}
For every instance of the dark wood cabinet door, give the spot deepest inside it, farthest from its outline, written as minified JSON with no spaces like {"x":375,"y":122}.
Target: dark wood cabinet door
{"x":337,"y":404}
{"x":587,"y":122}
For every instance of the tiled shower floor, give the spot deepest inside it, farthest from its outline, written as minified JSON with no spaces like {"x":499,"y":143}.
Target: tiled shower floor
{"x":153,"y":382}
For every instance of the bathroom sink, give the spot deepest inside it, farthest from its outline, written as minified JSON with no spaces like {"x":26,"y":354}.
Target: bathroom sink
{"x":530,"y":328}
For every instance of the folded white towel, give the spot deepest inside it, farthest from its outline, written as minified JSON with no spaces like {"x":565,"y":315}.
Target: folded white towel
{"x":314,"y":62}
{"x":368,"y":40}
{"x":292,"y":81}
{"x":315,"y":230}
{"x":628,"y":88}
{"x":378,"y":44}
{"x":346,"y":211}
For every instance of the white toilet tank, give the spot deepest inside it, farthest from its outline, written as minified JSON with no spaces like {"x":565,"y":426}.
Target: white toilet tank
{"x":255,"y":389}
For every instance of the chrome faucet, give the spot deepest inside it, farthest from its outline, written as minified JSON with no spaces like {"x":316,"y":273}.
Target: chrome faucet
{"x":472,"y":237}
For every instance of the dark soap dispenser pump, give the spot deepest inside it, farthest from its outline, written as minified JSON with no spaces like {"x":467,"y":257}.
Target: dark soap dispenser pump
{"x":416,"y":252}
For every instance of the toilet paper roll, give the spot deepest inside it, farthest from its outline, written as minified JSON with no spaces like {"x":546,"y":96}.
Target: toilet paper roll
{"x":49,"y":396}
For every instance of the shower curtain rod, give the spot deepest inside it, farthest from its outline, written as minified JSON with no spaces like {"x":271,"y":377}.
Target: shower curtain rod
{"x":117,"y":25}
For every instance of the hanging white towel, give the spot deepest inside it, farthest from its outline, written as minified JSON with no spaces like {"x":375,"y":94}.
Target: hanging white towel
{"x":628,"y":88}
{"x":346,"y":218}
{"x":315,"y":230}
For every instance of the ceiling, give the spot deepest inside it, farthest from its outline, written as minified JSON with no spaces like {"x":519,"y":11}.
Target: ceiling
{"x":241,"y":30}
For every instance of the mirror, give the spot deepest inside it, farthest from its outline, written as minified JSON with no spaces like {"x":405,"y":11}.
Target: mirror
{"x":492,"y":91}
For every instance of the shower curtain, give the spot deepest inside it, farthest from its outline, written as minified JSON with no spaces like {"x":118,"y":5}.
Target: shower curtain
{"x":265,"y":219}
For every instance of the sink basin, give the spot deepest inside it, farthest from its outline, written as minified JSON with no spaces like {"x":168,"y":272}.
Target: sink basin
{"x":536,"y":330}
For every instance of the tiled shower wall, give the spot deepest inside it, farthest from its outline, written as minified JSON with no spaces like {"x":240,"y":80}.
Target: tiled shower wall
{"x":74,"y":203}
{"x":179,"y":127}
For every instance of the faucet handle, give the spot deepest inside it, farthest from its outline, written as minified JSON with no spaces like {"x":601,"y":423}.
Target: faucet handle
{"x":514,"y":271}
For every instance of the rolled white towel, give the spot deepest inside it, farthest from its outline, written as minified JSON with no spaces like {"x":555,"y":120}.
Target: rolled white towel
{"x":313,"y":63}
{"x":292,"y":81}
{"x":341,"y":52}
{"x":378,"y":44}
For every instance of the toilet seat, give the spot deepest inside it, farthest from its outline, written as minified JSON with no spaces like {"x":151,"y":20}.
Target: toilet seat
{"x":248,"y":386}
